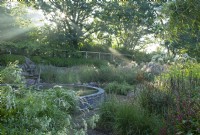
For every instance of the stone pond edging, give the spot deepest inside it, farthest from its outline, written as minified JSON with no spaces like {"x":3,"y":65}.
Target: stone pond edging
{"x":88,"y":101}
{"x":85,"y":102}
{"x":92,"y":100}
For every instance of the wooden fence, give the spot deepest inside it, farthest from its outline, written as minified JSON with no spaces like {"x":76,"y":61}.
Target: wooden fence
{"x":102,"y":55}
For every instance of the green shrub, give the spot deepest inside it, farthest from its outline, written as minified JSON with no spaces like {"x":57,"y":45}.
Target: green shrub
{"x":86,"y":74}
{"x":155,"y":101}
{"x":55,"y":61}
{"x":107,"y":115}
{"x":74,"y":74}
{"x":183,"y":82}
{"x":48,"y":74}
{"x":118,"y":74}
{"x":122,"y":118}
{"x":107,"y":74}
{"x":118,"y":88}
{"x":25,"y":111}
{"x":5,"y":59}
{"x":36,"y":112}
{"x":69,"y":62}
{"x":132,"y":120}
{"x":11,"y":74}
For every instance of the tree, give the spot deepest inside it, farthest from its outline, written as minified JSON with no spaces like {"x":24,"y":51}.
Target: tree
{"x":128,"y":21}
{"x":71,"y":19}
{"x":184,"y":26}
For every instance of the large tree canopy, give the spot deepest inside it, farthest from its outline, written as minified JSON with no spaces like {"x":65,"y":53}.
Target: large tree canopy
{"x":72,"y":19}
{"x":76,"y":21}
{"x":128,"y":21}
{"x":73,"y":24}
{"x":184,"y":27}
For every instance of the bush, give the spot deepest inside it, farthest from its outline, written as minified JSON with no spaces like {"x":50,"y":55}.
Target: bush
{"x":11,"y":74}
{"x":53,"y":74}
{"x":183,"y":82}
{"x":107,"y":115}
{"x":118,"y":74}
{"x":5,"y":59}
{"x":123,"y":118}
{"x":25,"y":111}
{"x":155,"y":101}
{"x":85,"y":74}
{"x":118,"y":88}
{"x":132,"y":120}
{"x":36,"y":112}
{"x":55,"y":61}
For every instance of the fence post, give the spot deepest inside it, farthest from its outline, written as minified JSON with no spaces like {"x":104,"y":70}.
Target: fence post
{"x":86,"y":55}
{"x":111,"y":56}
{"x":99,"y":55}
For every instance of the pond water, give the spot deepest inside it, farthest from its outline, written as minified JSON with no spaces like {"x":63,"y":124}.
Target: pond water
{"x":80,"y":90}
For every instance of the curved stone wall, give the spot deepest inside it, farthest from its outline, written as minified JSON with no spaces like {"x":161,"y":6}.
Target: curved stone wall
{"x":92,"y":100}
{"x":87,"y":101}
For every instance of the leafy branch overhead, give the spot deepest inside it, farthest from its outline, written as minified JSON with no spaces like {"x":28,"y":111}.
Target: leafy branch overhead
{"x":72,"y":19}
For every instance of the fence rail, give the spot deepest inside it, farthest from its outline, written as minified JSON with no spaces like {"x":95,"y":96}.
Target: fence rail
{"x":86,"y":55}
{"x":103,"y":55}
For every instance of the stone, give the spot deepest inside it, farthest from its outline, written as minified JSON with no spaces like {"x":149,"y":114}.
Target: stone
{"x":29,"y":71}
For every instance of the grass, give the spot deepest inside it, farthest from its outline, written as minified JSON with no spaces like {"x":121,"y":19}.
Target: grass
{"x":55,"y":61}
{"x":123,"y":118}
{"x":119,"y":88}
{"x":85,"y":74}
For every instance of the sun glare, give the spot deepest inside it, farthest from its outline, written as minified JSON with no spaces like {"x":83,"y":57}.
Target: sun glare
{"x":36,"y":17}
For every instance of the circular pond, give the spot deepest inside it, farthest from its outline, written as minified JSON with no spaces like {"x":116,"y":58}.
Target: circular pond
{"x":89,"y":96}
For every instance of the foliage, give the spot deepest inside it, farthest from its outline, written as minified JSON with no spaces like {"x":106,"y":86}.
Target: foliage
{"x":36,"y":112}
{"x":68,"y":62}
{"x":59,"y":62}
{"x":155,"y":100}
{"x":85,"y":74}
{"x":183,"y":27}
{"x":11,"y":74}
{"x":25,"y":111}
{"x":107,"y":115}
{"x":118,"y":88}
{"x":72,"y":25}
{"x":128,"y":119}
{"x":71,"y":19}
{"x":131,"y":120}
{"x":137,"y":55}
{"x":5,"y":59}
{"x":118,"y":74}
{"x":182,"y":82}
{"x":127,"y":21}
{"x":140,"y":57}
